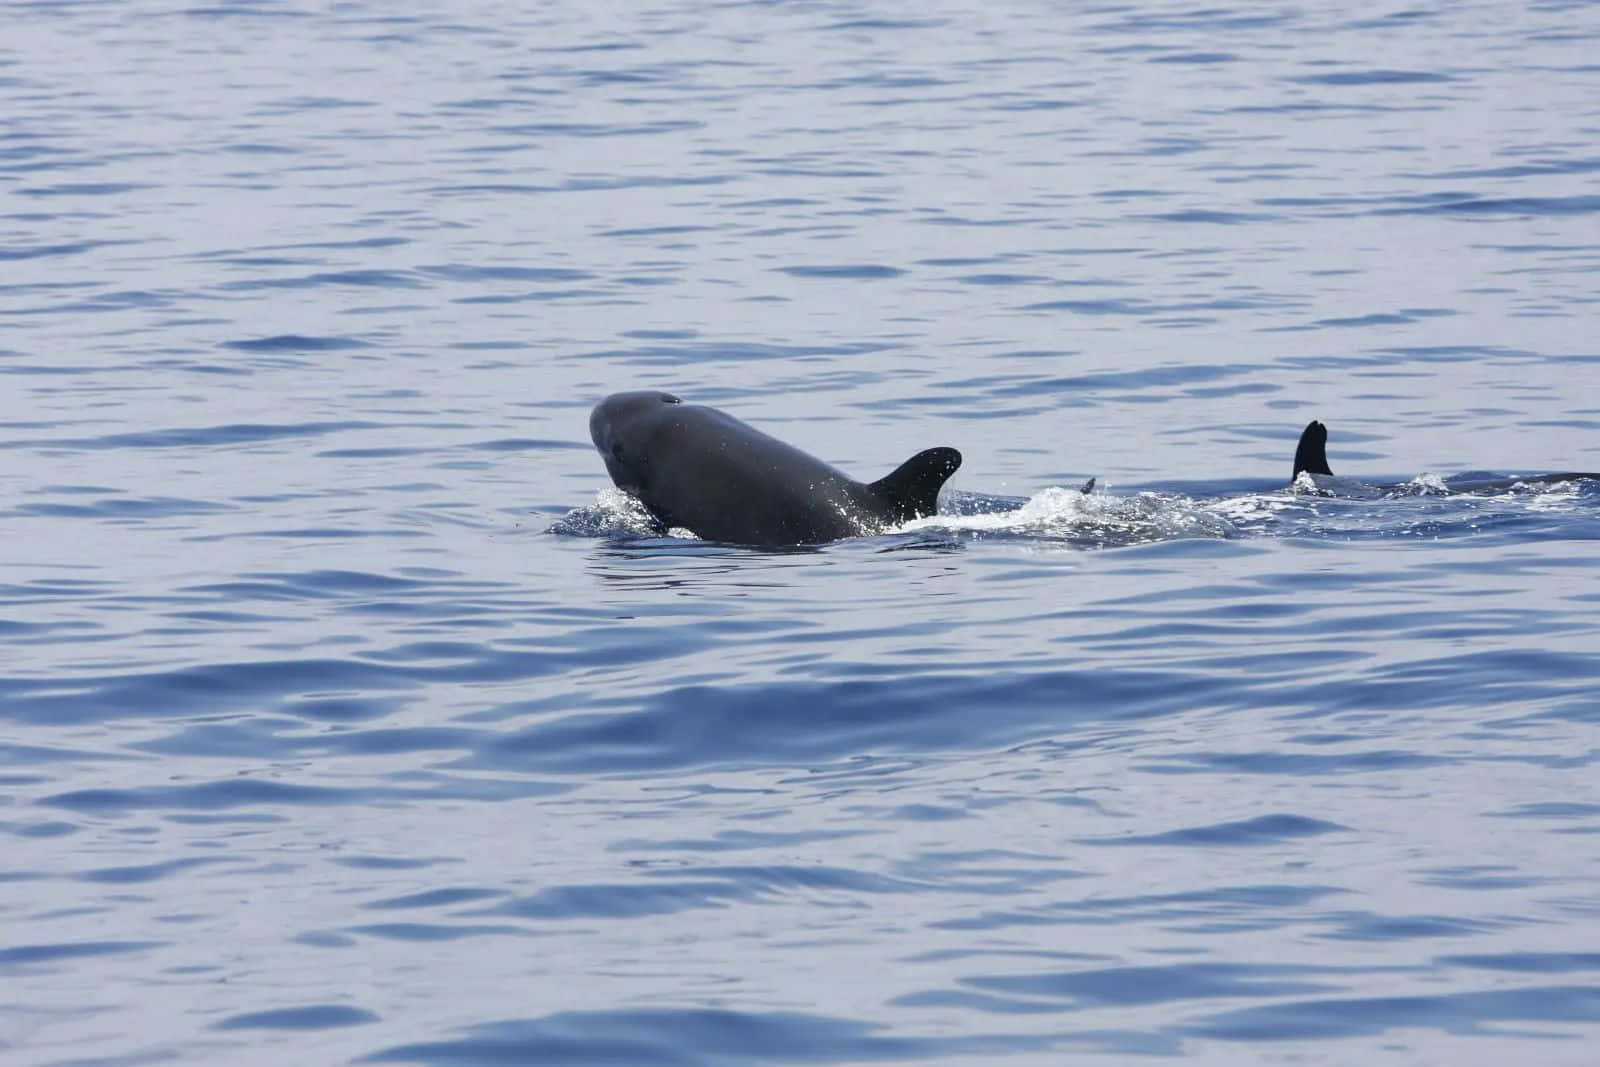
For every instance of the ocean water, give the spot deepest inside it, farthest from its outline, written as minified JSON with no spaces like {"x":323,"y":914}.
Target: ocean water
{"x":346,"y":716}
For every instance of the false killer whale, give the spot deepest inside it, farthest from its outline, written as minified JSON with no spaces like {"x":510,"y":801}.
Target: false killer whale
{"x":703,"y":470}
{"x":1311,"y":457}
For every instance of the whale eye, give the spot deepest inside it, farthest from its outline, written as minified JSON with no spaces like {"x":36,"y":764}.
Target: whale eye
{"x":668,"y":398}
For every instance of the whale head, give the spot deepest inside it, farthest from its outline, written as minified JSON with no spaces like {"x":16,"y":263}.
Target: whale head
{"x":618,"y":427}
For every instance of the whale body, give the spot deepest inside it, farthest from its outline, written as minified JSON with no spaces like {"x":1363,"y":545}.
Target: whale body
{"x":701,"y":469}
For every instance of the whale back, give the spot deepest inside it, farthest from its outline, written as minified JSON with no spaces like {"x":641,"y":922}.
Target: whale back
{"x":702,"y":469}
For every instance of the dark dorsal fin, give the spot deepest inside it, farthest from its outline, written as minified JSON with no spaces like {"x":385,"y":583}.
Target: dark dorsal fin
{"x":1312,"y":453}
{"x":912,"y":491}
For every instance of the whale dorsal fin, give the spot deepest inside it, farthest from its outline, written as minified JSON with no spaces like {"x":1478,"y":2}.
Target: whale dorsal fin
{"x":1312,"y":452}
{"x":912,"y":491}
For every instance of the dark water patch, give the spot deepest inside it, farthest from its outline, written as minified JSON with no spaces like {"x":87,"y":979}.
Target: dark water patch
{"x":1372,"y":77}
{"x":1297,"y":763}
{"x":679,"y":1037}
{"x":1123,"y":986}
{"x":928,"y":813}
{"x":342,"y":709}
{"x":21,"y":956}
{"x":393,"y":741}
{"x":1145,"y":23}
{"x":528,"y":444}
{"x":356,"y":244}
{"x":316,"y":584}
{"x":801,"y":722}
{"x":596,"y":129}
{"x":987,"y":872}
{"x":250,"y":792}
{"x":661,"y":335}
{"x":54,"y":588}
{"x":1199,"y":902}
{"x":209,"y":688}
{"x":620,"y":77}
{"x":1001,"y":279}
{"x":436,"y":898}
{"x":386,"y":863}
{"x":725,"y":351}
{"x":1150,"y":309}
{"x":849,"y":271}
{"x":47,"y":251}
{"x":1404,"y":317}
{"x":294,"y":104}
{"x":123,"y":508}
{"x":535,"y":296}
{"x":202,"y":436}
{"x":1358,"y":926}
{"x":123,"y":300}
{"x":51,"y":370}
{"x":1479,"y":879}
{"x":883,"y":24}
{"x":46,"y":828}
{"x":83,"y":189}
{"x":947,"y":219}
{"x":1212,"y":217}
{"x":1393,"y":19}
{"x":150,"y":872}
{"x":309,"y":1017}
{"x":1263,"y":830}
{"x":248,"y":737}
{"x":370,"y":453}
{"x":1526,"y":962}
{"x":1483,"y":206}
{"x":1131,"y":194}
{"x":732,"y":841}
{"x":1195,"y":58}
{"x":781,"y":878}
{"x":20,"y":755}
{"x":1323,"y":107}
{"x":655,"y":231}
{"x":1586,"y":165}
{"x":584,"y":185}
{"x":961,"y":1000}
{"x":243,"y":9}
{"x":626,"y":900}
{"x":1164,"y":376}
{"x":466,"y":272}
{"x":252,"y":148}
{"x":379,"y":279}
{"x":293,"y":342}
{"x":1453,"y":1013}
{"x":206,"y":796}
{"x":1453,"y":353}
{"x":1551,"y":810}
{"x":427,"y":933}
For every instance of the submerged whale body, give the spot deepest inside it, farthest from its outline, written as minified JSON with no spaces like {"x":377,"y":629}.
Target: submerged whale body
{"x":703,"y":470}
{"x":1311,"y":457}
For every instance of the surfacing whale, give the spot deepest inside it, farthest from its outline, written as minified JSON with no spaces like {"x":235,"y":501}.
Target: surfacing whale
{"x":703,"y":470}
{"x":1311,"y":457}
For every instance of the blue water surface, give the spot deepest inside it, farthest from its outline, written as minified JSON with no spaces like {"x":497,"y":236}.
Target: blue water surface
{"x":349,"y":715}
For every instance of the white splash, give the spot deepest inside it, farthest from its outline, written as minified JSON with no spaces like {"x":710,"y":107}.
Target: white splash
{"x":613,"y":514}
{"x":1097,"y":519}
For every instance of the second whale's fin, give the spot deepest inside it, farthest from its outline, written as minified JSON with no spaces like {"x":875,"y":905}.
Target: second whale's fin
{"x":912,"y":490}
{"x":1312,"y":453}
